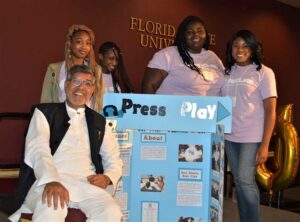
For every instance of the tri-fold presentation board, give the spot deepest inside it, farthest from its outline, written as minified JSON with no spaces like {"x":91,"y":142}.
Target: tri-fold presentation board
{"x":172,"y":148}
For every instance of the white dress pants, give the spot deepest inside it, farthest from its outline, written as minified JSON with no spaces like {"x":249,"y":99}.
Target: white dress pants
{"x":96,"y":210}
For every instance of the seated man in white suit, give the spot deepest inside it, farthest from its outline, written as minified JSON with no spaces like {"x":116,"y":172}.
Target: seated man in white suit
{"x":70,"y":158}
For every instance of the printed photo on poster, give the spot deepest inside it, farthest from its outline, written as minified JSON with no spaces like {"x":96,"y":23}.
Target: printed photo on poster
{"x":213,"y":214}
{"x":190,"y":153}
{"x":216,"y":156}
{"x":220,"y":130}
{"x":151,"y":183}
{"x":189,"y":219}
{"x":215,"y":189}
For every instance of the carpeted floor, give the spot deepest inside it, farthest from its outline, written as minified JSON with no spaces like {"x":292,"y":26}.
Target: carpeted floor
{"x":290,"y":201}
{"x":287,"y":209}
{"x":268,"y":214}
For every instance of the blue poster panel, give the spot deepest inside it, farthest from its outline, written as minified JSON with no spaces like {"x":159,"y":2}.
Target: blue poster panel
{"x":175,"y":113}
{"x":173,"y":156}
{"x":173,"y":171}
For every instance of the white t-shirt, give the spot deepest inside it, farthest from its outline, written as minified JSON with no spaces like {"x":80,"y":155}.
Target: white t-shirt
{"x":62,"y":79}
{"x":181,"y":80}
{"x":108,"y":83}
{"x":248,"y":88}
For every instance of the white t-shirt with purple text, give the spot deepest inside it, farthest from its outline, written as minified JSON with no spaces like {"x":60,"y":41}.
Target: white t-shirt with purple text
{"x":181,"y":80}
{"x":248,"y":88}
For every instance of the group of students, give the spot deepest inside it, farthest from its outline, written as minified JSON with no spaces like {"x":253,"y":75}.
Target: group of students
{"x":190,"y":68}
{"x":110,"y":74}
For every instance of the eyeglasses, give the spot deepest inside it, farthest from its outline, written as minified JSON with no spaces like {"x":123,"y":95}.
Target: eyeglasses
{"x":87,"y":83}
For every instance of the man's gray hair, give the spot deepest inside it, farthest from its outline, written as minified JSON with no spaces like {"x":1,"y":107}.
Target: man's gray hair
{"x":79,"y":68}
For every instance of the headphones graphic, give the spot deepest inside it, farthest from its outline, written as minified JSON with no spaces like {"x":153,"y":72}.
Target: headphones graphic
{"x":110,"y":110}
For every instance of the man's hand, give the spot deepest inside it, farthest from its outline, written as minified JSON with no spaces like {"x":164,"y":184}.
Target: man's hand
{"x":99,"y":180}
{"x":54,"y":191}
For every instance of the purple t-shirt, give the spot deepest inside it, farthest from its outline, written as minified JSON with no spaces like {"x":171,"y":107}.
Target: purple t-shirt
{"x":181,"y":80}
{"x":248,"y":88}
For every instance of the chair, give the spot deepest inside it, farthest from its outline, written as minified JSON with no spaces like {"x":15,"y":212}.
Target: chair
{"x":74,"y":215}
{"x":10,"y":155}
{"x":12,"y":130}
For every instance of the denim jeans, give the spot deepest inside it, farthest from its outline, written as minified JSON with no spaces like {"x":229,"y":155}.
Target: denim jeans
{"x":242,"y":160}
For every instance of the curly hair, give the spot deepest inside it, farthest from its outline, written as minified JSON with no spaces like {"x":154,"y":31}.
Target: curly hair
{"x":90,"y":59}
{"x":252,"y":43}
{"x":180,"y":41}
{"x":72,"y":31}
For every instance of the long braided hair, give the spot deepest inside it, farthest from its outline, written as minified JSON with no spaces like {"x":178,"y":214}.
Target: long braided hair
{"x":119,"y":75}
{"x":180,"y":41}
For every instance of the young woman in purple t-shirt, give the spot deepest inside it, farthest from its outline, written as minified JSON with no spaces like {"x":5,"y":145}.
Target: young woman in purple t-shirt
{"x":187,"y":67}
{"x":252,"y":87}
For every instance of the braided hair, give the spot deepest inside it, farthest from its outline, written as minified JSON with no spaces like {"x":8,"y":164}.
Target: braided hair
{"x":180,"y":42}
{"x":119,"y":75}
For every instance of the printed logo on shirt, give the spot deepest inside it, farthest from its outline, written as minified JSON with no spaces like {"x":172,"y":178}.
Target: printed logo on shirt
{"x":240,"y":81}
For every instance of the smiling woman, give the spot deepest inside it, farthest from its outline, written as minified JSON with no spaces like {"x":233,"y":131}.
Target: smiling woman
{"x":252,"y":87}
{"x":78,"y":51}
{"x":114,"y":73}
{"x":187,"y":67}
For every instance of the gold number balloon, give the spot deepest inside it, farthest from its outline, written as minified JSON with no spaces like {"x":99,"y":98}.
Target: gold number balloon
{"x":286,"y":156}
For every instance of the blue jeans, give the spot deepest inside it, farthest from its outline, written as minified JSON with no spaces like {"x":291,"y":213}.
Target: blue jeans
{"x":241,"y":158}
